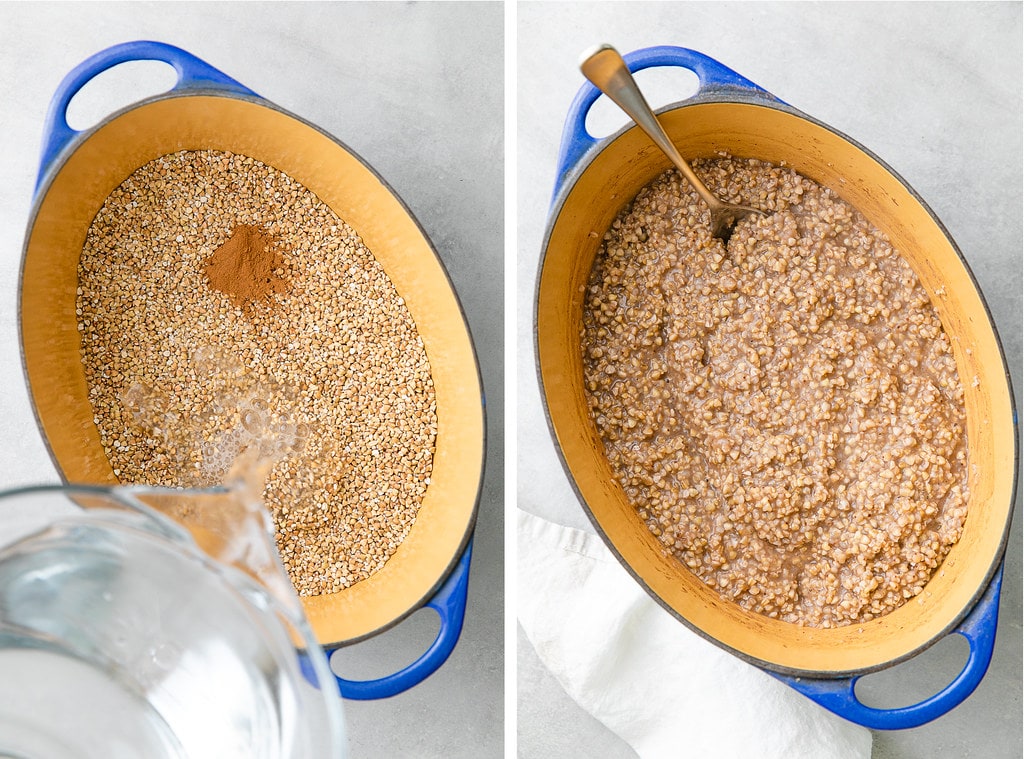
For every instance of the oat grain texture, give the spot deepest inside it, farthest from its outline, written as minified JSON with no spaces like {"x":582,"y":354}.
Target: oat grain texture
{"x":330,"y":370}
{"x":785,"y":414}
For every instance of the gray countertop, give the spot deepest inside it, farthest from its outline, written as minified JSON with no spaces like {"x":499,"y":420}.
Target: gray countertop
{"x":417,"y":91}
{"x":934,"y":89}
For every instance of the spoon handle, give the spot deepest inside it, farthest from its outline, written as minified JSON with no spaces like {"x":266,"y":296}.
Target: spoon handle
{"x":605,"y":68}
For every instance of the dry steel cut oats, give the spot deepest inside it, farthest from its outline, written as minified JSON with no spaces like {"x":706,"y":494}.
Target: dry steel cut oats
{"x":329,"y":377}
{"x":785,"y":414}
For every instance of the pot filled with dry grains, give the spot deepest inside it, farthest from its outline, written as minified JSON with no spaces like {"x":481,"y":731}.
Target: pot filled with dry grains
{"x":802,"y":443}
{"x":204,"y":275}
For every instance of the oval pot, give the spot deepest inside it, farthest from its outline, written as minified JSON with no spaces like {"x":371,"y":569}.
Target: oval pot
{"x":206,"y":110}
{"x":596,"y":179}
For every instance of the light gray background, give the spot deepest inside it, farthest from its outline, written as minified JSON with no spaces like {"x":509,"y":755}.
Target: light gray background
{"x":935,"y":91}
{"x":417,"y":91}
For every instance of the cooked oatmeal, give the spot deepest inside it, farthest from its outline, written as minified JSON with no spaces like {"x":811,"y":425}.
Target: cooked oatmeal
{"x":785,"y":414}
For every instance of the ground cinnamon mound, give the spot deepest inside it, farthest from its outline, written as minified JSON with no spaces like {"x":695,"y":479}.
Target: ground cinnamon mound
{"x":244,"y":266}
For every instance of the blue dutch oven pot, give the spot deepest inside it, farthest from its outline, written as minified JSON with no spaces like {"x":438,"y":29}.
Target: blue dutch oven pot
{"x":595,"y":180}
{"x":208,"y":110}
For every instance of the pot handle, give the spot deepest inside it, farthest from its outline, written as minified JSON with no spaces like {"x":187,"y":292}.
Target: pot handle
{"x":712,"y":76}
{"x":193,"y":74}
{"x":979,"y":628}
{"x":450,"y":604}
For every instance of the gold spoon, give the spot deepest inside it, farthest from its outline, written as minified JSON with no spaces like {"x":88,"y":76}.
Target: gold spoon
{"x":605,"y":68}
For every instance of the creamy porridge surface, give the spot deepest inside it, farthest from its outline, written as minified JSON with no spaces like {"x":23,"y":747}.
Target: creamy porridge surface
{"x":785,"y":414}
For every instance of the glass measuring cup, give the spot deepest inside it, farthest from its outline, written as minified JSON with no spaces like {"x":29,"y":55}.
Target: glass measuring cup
{"x":139,"y":621}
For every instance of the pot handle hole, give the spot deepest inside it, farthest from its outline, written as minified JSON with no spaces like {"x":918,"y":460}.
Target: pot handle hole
{"x":711,"y":75}
{"x":193,"y":74}
{"x":979,"y":628}
{"x":450,"y":604}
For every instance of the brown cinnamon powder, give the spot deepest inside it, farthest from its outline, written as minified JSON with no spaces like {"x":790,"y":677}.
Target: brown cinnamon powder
{"x":243,"y":267}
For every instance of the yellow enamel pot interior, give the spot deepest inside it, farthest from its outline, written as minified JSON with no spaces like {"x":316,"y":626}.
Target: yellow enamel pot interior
{"x":584,"y":210}
{"x":75,"y":191}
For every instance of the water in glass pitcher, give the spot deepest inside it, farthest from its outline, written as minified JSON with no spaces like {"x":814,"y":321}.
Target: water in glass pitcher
{"x":116,"y":642}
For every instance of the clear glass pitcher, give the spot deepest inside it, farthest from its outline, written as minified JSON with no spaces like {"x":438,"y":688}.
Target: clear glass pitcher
{"x":147,"y":622}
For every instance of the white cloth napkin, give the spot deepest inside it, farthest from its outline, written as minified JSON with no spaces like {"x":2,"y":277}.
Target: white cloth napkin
{"x":663,"y":689}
